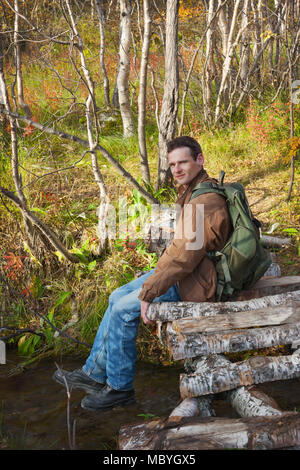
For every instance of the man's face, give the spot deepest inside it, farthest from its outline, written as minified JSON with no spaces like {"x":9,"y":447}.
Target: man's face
{"x":182,"y":165}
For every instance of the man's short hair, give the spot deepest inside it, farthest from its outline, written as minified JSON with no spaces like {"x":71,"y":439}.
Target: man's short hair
{"x":185,"y":141}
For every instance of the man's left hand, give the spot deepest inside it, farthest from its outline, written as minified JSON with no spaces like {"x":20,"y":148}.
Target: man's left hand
{"x":144,"y":308}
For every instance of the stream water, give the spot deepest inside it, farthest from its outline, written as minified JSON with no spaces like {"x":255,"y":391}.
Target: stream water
{"x":33,"y":408}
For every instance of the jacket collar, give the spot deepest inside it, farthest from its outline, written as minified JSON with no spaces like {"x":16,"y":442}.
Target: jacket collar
{"x":185,"y":190}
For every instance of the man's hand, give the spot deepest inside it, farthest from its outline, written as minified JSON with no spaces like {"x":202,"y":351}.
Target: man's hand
{"x":144,"y":308}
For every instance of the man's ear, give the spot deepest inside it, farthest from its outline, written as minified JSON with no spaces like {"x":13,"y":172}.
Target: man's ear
{"x":200,"y":159}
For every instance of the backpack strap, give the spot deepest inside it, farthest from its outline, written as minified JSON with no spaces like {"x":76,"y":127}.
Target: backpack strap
{"x":204,"y":188}
{"x":221,"y":177}
{"x":221,"y":282}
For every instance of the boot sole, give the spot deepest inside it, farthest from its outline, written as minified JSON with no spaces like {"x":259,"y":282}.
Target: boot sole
{"x":129,"y":401}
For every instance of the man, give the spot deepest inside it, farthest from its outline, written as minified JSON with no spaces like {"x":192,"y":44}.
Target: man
{"x":183,"y":272}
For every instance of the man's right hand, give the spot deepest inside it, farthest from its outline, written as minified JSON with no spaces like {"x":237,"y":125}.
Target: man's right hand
{"x":144,"y":308}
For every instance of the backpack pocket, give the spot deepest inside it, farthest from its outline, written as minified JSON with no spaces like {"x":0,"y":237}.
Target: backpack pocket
{"x":239,"y":251}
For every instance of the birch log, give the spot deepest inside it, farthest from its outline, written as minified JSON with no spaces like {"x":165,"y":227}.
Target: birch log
{"x":256,"y":370}
{"x":266,"y":240}
{"x":192,"y":345}
{"x":252,"y":402}
{"x":194,"y":407}
{"x":246,"y":401}
{"x":256,"y":433}
{"x":288,"y":313}
{"x":267,"y":286}
{"x":169,"y":311}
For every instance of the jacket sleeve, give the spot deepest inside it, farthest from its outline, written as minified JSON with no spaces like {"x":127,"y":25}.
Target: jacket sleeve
{"x":203,"y":226}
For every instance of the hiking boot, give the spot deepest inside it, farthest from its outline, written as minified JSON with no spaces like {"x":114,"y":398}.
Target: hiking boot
{"x":107,"y":399}
{"x":78,"y":380}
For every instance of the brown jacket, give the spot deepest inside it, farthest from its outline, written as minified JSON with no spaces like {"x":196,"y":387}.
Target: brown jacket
{"x":191,"y":268}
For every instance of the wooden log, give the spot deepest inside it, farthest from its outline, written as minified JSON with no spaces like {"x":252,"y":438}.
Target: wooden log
{"x":270,"y":286}
{"x":168,"y":311}
{"x":192,"y":345}
{"x":273,"y":271}
{"x":288,"y":313}
{"x":255,"y":370}
{"x":247,"y":401}
{"x":255,"y":433}
{"x":266,"y":241}
{"x":195,"y":407}
{"x":252,"y":402}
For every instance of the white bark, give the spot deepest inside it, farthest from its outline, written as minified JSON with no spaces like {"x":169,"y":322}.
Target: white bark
{"x":183,"y":346}
{"x":194,"y":407}
{"x":142,"y":93}
{"x":288,"y":313}
{"x":256,"y":433}
{"x":123,"y":74}
{"x":228,"y":59}
{"x":258,"y":369}
{"x":168,"y":311}
{"x":252,"y":402}
{"x":19,"y":77}
{"x":247,"y":401}
{"x":208,"y":62}
{"x":266,"y":240}
{"x":245,"y":48}
{"x":102,"y":52}
{"x":170,"y":99}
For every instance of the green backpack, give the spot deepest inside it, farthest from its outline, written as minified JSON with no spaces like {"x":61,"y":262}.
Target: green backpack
{"x":243,"y":260}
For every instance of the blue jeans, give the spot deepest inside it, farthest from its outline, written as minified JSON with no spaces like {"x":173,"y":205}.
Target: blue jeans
{"x":113,"y":355}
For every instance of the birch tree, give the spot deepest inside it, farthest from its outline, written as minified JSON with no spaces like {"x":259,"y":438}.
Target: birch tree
{"x":99,"y":9}
{"x":170,"y":100}
{"x":142,"y":92}
{"x":19,"y":78}
{"x":124,"y":70}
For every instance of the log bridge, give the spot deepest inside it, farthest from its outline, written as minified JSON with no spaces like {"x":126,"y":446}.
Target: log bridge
{"x":265,"y":316}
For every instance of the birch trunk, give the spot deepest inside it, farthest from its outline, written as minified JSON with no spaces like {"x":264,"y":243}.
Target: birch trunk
{"x":123,"y":74}
{"x":227,"y":62}
{"x":99,"y":9}
{"x":170,"y":99}
{"x":223,"y":24}
{"x":90,"y":112}
{"x":142,"y":93}
{"x":256,"y":370}
{"x":257,"y":31}
{"x":208,"y":64}
{"x":18,"y":62}
{"x":245,"y":48}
